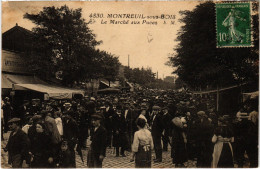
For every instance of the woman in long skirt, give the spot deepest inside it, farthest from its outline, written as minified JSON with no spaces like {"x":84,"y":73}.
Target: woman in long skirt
{"x":142,"y":146}
{"x":223,"y":153}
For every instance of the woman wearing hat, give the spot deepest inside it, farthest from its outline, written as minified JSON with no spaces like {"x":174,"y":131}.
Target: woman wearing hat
{"x":179,"y":141}
{"x":142,"y":146}
{"x":223,"y":153}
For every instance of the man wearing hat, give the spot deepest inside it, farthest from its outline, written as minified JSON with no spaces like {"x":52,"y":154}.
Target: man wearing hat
{"x":157,"y":129}
{"x":18,"y":144}
{"x":130,"y":117}
{"x":119,"y":131}
{"x":67,"y":108}
{"x":203,"y":140}
{"x":167,"y":126}
{"x":108,"y":113}
{"x":97,"y":151}
{"x":71,"y":133}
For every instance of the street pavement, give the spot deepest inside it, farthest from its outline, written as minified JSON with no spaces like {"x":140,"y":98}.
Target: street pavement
{"x":110,"y":160}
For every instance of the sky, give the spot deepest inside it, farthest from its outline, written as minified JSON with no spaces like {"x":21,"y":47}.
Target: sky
{"x":147,"y":45}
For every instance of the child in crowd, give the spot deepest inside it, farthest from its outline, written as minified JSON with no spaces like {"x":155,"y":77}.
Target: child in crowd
{"x":65,"y":156}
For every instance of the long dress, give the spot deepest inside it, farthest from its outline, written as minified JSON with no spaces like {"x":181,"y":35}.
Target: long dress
{"x":142,"y":146}
{"x":223,"y":152}
{"x":178,"y":152}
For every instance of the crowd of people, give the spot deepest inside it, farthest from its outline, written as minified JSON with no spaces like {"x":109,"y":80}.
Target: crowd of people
{"x":49,"y":133}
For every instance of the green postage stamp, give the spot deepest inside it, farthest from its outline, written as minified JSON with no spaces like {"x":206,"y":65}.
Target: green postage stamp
{"x":233,"y":24}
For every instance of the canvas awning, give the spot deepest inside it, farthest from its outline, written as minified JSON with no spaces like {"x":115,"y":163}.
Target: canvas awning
{"x":109,"y":90}
{"x":54,"y":92}
{"x":9,"y":79}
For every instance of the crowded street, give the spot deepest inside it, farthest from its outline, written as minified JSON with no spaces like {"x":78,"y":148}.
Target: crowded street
{"x":120,"y":114}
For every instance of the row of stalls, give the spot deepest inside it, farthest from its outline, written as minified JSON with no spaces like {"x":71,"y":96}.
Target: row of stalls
{"x":25,"y":87}
{"x":229,"y":100}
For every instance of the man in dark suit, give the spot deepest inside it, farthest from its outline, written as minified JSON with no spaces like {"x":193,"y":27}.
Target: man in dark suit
{"x":97,"y":151}
{"x":130,"y":117}
{"x":18,"y":145}
{"x":167,"y":127}
{"x":119,"y":131}
{"x":157,"y":129}
{"x":108,"y":113}
{"x":70,"y":133}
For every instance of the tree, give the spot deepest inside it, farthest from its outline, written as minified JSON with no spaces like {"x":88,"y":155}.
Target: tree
{"x":141,"y":76}
{"x":200,"y":64}
{"x":63,"y":45}
{"x":108,"y":66}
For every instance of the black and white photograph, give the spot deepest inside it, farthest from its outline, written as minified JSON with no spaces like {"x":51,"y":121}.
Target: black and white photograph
{"x":130,"y":84}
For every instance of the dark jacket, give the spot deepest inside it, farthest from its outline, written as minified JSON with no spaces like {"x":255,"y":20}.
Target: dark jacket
{"x":70,"y":131}
{"x":42,"y":149}
{"x":130,"y":118}
{"x":108,"y":115}
{"x":98,"y":145}
{"x":119,"y":131}
{"x":18,"y":143}
{"x":65,"y":159}
{"x":157,"y":125}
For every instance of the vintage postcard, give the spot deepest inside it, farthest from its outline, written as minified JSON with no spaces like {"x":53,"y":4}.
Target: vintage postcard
{"x":130,"y":84}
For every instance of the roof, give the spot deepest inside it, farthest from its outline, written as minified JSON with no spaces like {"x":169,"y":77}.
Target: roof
{"x":17,"y":28}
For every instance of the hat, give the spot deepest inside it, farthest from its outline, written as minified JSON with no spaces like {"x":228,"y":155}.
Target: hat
{"x":165,"y":107}
{"x":14,"y":120}
{"x":143,"y":105}
{"x":92,"y":98}
{"x":67,"y":104}
{"x":201,"y":113}
{"x":156,"y":108}
{"x":96,"y":116}
{"x":102,"y":107}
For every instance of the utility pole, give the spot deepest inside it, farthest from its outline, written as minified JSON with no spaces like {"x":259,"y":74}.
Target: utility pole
{"x":157,"y":75}
{"x":128,"y":61}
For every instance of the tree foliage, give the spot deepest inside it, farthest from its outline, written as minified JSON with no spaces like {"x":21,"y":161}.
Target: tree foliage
{"x":200,"y":64}
{"x":141,"y":76}
{"x":64,"y":47}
